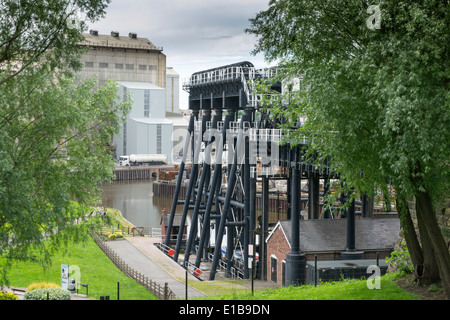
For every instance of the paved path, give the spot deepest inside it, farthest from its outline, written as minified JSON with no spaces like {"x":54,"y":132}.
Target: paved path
{"x":141,"y":254}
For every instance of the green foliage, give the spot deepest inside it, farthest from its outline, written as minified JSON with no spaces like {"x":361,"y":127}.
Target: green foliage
{"x":119,"y":235}
{"x":47,"y":293}
{"x":37,"y":35}
{"x":400,"y":260}
{"x":375,"y":100}
{"x":54,"y":130}
{"x":111,"y":236}
{"x":433,"y":288}
{"x":8,"y":296}
{"x":95,"y":268}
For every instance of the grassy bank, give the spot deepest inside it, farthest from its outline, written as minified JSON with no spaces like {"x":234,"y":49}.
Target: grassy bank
{"x":102,"y":276}
{"x":338,"y":290}
{"x":96,"y":270}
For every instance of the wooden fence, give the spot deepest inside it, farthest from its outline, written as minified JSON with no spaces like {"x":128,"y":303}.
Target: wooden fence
{"x":162,"y":292}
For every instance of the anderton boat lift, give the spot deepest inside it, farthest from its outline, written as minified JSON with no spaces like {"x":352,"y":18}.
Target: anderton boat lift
{"x":227,"y":234}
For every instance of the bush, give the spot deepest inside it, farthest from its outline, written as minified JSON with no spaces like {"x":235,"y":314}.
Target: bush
{"x":42,"y":285}
{"x":400,"y":260}
{"x":53,"y":294}
{"x":8,"y":296}
{"x":119,"y":235}
{"x":111,"y":236}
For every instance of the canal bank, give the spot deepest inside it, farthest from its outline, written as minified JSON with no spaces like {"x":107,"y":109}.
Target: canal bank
{"x":153,"y":172}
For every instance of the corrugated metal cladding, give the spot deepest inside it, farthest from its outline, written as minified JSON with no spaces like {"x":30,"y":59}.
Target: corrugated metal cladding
{"x":139,"y":66}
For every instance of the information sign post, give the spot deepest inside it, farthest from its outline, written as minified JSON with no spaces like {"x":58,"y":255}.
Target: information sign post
{"x":65,"y":276}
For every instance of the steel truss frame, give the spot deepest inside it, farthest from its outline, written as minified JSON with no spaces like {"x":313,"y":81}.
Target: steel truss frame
{"x":232,"y":212}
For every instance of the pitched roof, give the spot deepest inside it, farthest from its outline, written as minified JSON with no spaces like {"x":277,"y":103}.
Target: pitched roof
{"x":331,"y":234}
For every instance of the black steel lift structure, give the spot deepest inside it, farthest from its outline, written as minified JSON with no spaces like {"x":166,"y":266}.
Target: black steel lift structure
{"x":228,"y":122}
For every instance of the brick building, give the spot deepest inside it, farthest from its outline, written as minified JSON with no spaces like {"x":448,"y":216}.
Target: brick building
{"x":326,"y":238}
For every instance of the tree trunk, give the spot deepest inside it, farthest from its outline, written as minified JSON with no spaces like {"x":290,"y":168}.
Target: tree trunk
{"x":409,"y":232}
{"x":429,"y":273}
{"x":425,"y":211}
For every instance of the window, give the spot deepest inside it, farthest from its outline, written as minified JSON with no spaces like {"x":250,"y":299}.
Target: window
{"x":152,"y":67}
{"x":273,"y":268}
{"x":146,"y":103}
{"x":103,"y":65}
{"x":119,"y":65}
{"x":142,"y":67}
{"x":125,"y":137}
{"x":130,"y":66}
{"x":158,"y":139}
{"x":89,"y":64}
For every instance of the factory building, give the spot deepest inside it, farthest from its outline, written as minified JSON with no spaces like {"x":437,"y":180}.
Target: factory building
{"x":146,"y":130}
{"x":140,"y":69}
{"x":123,"y":58}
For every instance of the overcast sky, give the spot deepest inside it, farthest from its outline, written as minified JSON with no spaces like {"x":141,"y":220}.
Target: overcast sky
{"x":195,"y":34}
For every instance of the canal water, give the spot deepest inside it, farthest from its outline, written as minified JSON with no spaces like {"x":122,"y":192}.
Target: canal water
{"x":136,"y":202}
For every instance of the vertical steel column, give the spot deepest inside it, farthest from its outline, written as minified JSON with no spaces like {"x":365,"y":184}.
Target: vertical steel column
{"x":351,"y":227}
{"x":216,"y":181}
{"x":246,"y":176}
{"x":367,"y":206}
{"x":226,"y":205}
{"x":252,"y":209}
{"x":252,"y":201}
{"x":295,"y":260}
{"x":326,"y":192}
{"x":264,"y":227}
{"x":364,"y":206}
{"x":205,"y":170}
{"x":288,"y":195}
{"x":180,"y":176}
{"x":350,"y":252}
{"x":313,"y":197}
{"x":192,"y":181}
{"x":230,"y":243}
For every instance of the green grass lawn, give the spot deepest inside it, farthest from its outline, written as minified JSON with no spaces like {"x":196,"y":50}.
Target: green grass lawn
{"x":96,"y":270}
{"x":102,"y":276}
{"x":338,"y":290}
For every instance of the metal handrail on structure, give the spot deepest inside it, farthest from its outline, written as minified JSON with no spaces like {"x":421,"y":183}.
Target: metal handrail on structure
{"x":245,"y":73}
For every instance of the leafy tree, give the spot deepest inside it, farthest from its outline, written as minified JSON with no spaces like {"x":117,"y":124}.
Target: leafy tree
{"x":54,"y":129}
{"x":45,"y":33}
{"x":374,"y":93}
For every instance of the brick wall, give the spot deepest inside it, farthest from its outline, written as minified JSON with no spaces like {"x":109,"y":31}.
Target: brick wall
{"x":277,"y":247}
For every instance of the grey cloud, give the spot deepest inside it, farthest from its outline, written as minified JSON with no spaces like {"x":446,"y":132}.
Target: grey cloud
{"x":195,"y":34}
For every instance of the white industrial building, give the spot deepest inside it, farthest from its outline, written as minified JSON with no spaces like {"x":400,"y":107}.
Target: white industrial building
{"x":140,"y":69}
{"x":146,"y":129}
